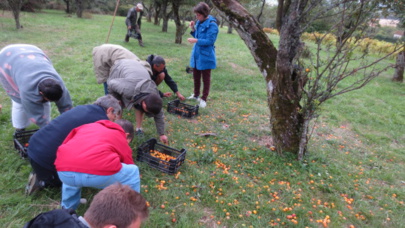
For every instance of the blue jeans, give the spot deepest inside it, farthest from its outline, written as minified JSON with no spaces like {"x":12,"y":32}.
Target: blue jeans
{"x":74,"y":181}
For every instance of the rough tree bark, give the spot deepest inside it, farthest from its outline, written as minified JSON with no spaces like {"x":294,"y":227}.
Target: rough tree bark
{"x":15,"y":6}
{"x":294,"y":94}
{"x":286,"y":120}
{"x":399,"y":67}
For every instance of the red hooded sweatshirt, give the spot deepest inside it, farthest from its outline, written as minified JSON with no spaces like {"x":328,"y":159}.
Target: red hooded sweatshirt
{"x":97,"y":148}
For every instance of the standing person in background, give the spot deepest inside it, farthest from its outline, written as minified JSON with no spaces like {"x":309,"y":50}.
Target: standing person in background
{"x":134,"y":23}
{"x":96,"y":155}
{"x":31,"y":81}
{"x":203,"y":58}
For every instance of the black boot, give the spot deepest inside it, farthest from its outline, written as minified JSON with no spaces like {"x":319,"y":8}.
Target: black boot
{"x":126,"y":38}
{"x":141,"y":43}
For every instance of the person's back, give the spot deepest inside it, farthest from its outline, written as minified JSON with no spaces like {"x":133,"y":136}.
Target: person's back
{"x":96,"y":148}
{"x":45,"y":142}
{"x":25,"y":73}
{"x":128,"y":79}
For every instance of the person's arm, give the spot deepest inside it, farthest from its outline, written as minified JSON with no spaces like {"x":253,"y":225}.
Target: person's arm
{"x":169,"y":81}
{"x":160,"y":126}
{"x":192,"y":24}
{"x":34,"y":109}
{"x":128,"y":19}
{"x":65,"y":102}
{"x":212,"y":33}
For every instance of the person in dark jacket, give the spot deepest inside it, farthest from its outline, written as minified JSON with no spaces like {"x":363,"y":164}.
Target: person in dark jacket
{"x":134,"y":23}
{"x":44,"y":143}
{"x":31,"y":81}
{"x":160,"y":73}
{"x":203,"y":58}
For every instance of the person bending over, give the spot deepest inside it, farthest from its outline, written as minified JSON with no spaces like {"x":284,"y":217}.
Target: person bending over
{"x":30,"y":80}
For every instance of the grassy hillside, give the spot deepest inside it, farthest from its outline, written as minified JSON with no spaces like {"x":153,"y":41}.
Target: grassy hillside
{"x":353,"y":176}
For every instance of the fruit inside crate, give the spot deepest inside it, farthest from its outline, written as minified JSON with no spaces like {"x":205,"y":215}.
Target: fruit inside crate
{"x":21,"y":141}
{"x":182,"y":109}
{"x":160,"y":156}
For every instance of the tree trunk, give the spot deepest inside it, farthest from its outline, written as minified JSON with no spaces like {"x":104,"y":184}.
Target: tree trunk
{"x":79,"y":8}
{"x":229,"y":28}
{"x":180,"y":28}
{"x":157,"y":12}
{"x":165,"y":16}
{"x":399,"y":67}
{"x":282,"y":87}
{"x":15,"y":6}
{"x":149,"y":15}
{"x":67,"y":6}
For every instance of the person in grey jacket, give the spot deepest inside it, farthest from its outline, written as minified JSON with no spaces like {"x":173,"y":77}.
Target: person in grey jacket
{"x":130,"y":82}
{"x":31,"y":81}
{"x":104,"y":57}
{"x":134,"y":23}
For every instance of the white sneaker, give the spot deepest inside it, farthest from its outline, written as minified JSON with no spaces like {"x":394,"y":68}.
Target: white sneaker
{"x":203,"y":104}
{"x":192,"y":97}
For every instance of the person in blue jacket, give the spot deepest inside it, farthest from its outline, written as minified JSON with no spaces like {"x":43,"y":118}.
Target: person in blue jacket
{"x":203,"y":58}
{"x":44,"y":143}
{"x":30,"y":80}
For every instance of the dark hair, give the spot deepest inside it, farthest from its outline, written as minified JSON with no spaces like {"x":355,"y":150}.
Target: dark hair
{"x":118,"y":205}
{"x":157,"y":60}
{"x":51,"y":89}
{"x":153,"y":103}
{"x":127,"y":126}
{"x":202,"y":8}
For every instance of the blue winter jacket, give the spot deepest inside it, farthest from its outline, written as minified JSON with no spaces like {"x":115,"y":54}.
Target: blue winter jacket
{"x":203,"y":53}
{"x":44,"y":143}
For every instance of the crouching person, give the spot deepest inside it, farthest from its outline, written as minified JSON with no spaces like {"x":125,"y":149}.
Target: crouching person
{"x":96,"y":155}
{"x":115,"y":206}
{"x":44,"y":143}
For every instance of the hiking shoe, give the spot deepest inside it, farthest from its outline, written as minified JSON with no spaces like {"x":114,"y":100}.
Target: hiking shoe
{"x":192,"y":97}
{"x":33,"y":184}
{"x":203,"y":104}
{"x":139,"y":132}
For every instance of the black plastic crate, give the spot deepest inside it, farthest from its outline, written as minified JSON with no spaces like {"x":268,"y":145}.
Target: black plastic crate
{"x":21,"y":141}
{"x":146,"y":149}
{"x":182,"y":109}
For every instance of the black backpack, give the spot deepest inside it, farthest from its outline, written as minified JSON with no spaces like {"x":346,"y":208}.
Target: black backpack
{"x":59,"y":218}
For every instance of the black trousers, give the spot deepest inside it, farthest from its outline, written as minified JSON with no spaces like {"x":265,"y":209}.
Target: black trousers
{"x":49,"y":177}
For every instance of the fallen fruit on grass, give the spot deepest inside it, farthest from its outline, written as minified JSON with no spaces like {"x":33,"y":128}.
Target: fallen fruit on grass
{"x":162,"y":206}
{"x":174,"y":220}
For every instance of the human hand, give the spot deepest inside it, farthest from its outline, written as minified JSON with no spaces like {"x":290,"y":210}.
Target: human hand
{"x":168,"y":94}
{"x":164,"y":139}
{"x":180,"y":96}
{"x":129,"y":27}
{"x":192,"y":25}
{"x":192,"y":40}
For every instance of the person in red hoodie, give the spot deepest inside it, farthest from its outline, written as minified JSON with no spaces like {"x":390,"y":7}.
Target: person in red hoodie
{"x":96,"y":155}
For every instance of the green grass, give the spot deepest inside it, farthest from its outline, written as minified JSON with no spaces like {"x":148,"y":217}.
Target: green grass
{"x":353,"y":174}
